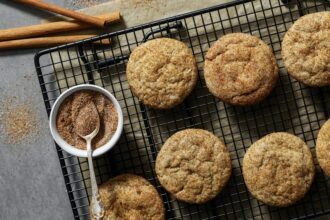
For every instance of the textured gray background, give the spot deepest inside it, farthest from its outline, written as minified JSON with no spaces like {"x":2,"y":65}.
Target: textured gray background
{"x":31,"y":182}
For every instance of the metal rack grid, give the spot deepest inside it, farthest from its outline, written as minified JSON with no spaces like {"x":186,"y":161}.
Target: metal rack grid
{"x":291,"y":107}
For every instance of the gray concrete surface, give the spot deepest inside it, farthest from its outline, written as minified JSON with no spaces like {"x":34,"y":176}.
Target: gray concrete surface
{"x":31,"y":182}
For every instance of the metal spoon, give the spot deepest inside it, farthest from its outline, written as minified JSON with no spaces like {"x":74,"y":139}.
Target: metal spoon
{"x":87,"y":120}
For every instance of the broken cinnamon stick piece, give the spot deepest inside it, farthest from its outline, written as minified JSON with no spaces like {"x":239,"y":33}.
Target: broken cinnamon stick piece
{"x":52,"y":27}
{"x":63,"y":11}
{"x":46,"y":42}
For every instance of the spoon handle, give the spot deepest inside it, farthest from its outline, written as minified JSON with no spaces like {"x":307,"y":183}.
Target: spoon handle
{"x":96,"y":204}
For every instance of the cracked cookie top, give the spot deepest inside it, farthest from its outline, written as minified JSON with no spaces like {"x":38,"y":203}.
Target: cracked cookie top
{"x":240,"y":69}
{"x":306,"y":49}
{"x":193,"y":165}
{"x":162,"y":72}
{"x":278,"y":169}
{"x":128,"y":196}
{"x":323,"y":147}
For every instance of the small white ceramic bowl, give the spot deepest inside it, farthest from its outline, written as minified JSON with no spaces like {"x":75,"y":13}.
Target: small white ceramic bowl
{"x":71,"y":149}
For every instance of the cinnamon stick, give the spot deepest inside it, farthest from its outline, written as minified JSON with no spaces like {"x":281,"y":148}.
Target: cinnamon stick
{"x":46,"y":42}
{"x":53,"y":27}
{"x":63,"y":11}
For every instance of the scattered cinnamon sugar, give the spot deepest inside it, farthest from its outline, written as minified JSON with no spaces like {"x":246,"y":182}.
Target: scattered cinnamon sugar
{"x":85,"y":3}
{"x":70,"y":109}
{"x":90,"y":3}
{"x":18,"y":122}
{"x":142,"y":3}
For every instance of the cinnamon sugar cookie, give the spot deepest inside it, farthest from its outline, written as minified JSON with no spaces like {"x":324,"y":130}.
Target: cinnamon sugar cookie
{"x":193,"y":165}
{"x":240,"y":69}
{"x":278,"y":169}
{"x":306,"y":49}
{"x":323,"y":147}
{"x":129,"y":196}
{"x":162,"y":72}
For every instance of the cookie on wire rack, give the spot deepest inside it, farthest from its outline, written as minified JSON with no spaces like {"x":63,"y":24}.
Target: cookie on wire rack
{"x":240,"y":69}
{"x":193,"y":165}
{"x":278,"y":169}
{"x":162,"y":72}
{"x":306,"y":49}
{"x":323,"y":147}
{"x":129,"y":196}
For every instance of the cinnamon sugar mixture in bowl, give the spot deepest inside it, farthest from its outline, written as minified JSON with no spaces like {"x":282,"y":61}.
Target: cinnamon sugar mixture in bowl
{"x":67,"y":118}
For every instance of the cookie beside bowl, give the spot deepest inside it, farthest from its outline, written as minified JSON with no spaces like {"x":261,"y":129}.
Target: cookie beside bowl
{"x":89,"y":90}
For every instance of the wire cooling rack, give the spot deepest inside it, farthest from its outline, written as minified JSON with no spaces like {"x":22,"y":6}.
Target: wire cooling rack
{"x":291,"y":107}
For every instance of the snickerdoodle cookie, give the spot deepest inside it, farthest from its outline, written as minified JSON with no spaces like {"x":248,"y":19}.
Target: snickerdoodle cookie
{"x":193,"y":165}
{"x":323,"y":148}
{"x":240,"y":69}
{"x":128,"y":196}
{"x":278,"y":169}
{"x":162,"y":72}
{"x":306,"y":49}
